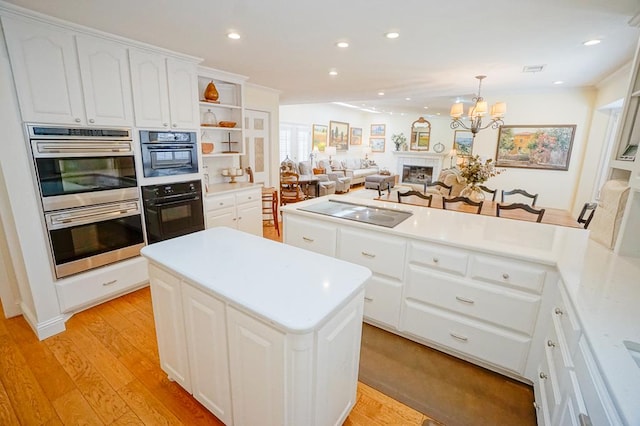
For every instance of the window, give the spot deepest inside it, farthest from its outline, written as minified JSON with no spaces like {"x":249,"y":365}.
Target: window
{"x":295,"y":141}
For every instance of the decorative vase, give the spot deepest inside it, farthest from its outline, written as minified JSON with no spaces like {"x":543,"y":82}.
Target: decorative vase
{"x":211,"y":93}
{"x":473,"y":193}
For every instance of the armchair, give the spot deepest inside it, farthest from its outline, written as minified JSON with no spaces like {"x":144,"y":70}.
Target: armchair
{"x":343,"y":183}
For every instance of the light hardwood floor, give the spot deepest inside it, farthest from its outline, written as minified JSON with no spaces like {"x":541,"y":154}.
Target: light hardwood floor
{"x":104,"y":370}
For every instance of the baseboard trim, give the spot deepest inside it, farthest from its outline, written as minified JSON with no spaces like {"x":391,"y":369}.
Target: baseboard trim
{"x":47,"y":328}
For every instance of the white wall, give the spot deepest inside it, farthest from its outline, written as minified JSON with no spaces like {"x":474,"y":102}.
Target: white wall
{"x":557,"y":106}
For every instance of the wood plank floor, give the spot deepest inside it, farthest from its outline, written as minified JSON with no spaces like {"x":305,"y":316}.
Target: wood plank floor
{"x":104,"y":370}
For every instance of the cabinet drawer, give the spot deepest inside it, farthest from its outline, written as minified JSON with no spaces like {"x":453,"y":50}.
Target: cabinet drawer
{"x":248,"y":197}
{"x":572,"y":406}
{"x":437,"y":257}
{"x":508,"y":272}
{"x":547,"y":380}
{"x":568,"y":321}
{"x":382,"y":301}
{"x":219,"y":202}
{"x":382,"y":253}
{"x":310,"y":234}
{"x":481,"y":341}
{"x":495,"y":304}
{"x":99,"y":284}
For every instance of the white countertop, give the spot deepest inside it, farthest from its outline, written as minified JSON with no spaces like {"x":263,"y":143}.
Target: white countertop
{"x":604,"y":288}
{"x":292,"y":288}
{"x":221,"y":188}
{"x":519,"y":239}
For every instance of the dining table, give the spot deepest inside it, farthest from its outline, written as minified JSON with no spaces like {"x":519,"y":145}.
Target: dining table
{"x":551,"y":216}
{"x":308,"y":180}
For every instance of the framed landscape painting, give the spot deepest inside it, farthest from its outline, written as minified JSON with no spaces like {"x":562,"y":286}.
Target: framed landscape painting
{"x":463,"y":143}
{"x":319,"y":137}
{"x":339,"y":135}
{"x":377,"y":144}
{"x":356,"y":136}
{"x":535,"y":147}
{"x":377,"y":129}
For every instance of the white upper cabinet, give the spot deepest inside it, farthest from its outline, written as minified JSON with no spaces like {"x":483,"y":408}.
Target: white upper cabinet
{"x":45,"y":70}
{"x":104,"y":69}
{"x":58,"y":84}
{"x":164,"y":91}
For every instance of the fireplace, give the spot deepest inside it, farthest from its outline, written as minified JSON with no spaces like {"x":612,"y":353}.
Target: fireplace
{"x":417,"y":174}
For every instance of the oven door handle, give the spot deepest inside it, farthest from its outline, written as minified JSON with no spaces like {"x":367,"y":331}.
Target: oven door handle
{"x":165,"y":147}
{"x":62,"y":220}
{"x":171,"y":203}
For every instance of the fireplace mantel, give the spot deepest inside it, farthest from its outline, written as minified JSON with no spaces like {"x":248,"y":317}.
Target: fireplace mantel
{"x":419,"y":158}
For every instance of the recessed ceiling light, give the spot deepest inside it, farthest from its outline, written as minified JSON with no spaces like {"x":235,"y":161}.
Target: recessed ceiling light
{"x":591,"y":42}
{"x":407,"y":99}
{"x":558,"y":82}
{"x":333,"y":72}
{"x":426,"y":107}
{"x":392,"y":35}
{"x":233,"y":35}
{"x":380,"y":93}
{"x":342,"y":44}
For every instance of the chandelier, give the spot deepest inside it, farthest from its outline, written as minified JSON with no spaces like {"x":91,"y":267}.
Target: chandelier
{"x":476,"y":112}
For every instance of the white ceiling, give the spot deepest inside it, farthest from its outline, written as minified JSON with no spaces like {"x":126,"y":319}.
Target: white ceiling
{"x":289,"y":45}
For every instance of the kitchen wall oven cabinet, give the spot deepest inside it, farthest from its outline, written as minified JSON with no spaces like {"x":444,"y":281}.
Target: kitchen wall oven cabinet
{"x":64,"y":77}
{"x":164,"y":91}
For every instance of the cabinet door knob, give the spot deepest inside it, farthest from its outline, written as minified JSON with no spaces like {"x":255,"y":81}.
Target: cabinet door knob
{"x":543,"y":376}
{"x":436,"y":260}
{"x":505,"y":276}
{"x":77,"y":120}
{"x":239,"y":217}
{"x":91,"y":120}
{"x":175,"y":125}
{"x":558,"y":311}
{"x":536,"y":405}
{"x":551,"y":344}
{"x":165,"y":124}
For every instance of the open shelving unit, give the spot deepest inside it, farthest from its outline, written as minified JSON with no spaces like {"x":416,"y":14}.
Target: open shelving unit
{"x":227,"y":141}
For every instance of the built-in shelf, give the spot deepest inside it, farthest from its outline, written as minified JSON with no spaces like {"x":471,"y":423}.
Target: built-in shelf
{"x":214,"y":105}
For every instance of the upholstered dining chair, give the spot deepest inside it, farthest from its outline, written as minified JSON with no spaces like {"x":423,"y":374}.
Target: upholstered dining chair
{"x":534,"y":197}
{"x":492,"y":192}
{"x":290,"y":190}
{"x":418,"y":194}
{"x":590,"y":209}
{"x":520,"y":206}
{"x":448,"y":203}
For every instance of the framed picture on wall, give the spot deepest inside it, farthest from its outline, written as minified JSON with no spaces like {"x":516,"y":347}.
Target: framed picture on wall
{"x":356,"y":136}
{"x":377,"y":144}
{"x":535,"y":147}
{"x":463,"y":143}
{"x":319,"y":137}
{"x":377,"y":129}
{"x":339,"y":135}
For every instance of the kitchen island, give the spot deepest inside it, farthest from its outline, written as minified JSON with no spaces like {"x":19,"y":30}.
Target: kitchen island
{"x":536,"y":302}
{"x":259,"y":332}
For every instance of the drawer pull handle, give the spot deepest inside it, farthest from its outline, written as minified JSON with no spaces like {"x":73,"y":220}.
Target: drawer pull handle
{"x":436,"y":260}
{"x":584,"y":420}
{"x":459,"y":337}
{"x":543,"y":376}
{"x":364,"y":253}
{"x":108,"y":283}
{"x":558,"y":311}
{"x":307,"y":239}
{"x":505,"y":276}
{"x":368,"y":299}
{"x":551,"y":343}
{"x":465,"y":300}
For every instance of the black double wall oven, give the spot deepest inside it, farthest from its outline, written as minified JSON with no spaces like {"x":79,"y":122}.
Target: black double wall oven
{"x":89,"y":192}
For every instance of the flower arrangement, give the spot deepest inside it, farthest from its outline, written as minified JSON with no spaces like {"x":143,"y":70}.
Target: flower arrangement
{"x":475,"y":171}
{"x":398,"y":139}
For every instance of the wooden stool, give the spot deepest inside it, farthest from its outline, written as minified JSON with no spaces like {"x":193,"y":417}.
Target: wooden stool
{"x":270,"y":206}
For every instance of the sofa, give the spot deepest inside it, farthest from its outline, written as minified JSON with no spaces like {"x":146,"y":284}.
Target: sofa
{"x":354,"y":168}
{"x":327,"y":186}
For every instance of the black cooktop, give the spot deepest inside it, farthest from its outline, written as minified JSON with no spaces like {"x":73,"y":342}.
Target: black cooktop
{"x":388,"y":218}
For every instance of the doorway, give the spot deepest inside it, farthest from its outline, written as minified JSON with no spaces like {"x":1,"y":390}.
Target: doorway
{"x":256,"y":136}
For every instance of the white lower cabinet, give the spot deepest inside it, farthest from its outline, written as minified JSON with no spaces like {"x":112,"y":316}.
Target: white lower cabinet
{"x":206,"y":328}
{"x":319,"y":237}
{"x":241,"y":210}
{"x":248,"y":371}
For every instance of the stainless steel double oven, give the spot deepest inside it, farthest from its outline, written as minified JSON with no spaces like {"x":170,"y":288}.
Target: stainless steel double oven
{"x":89,"y":193}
